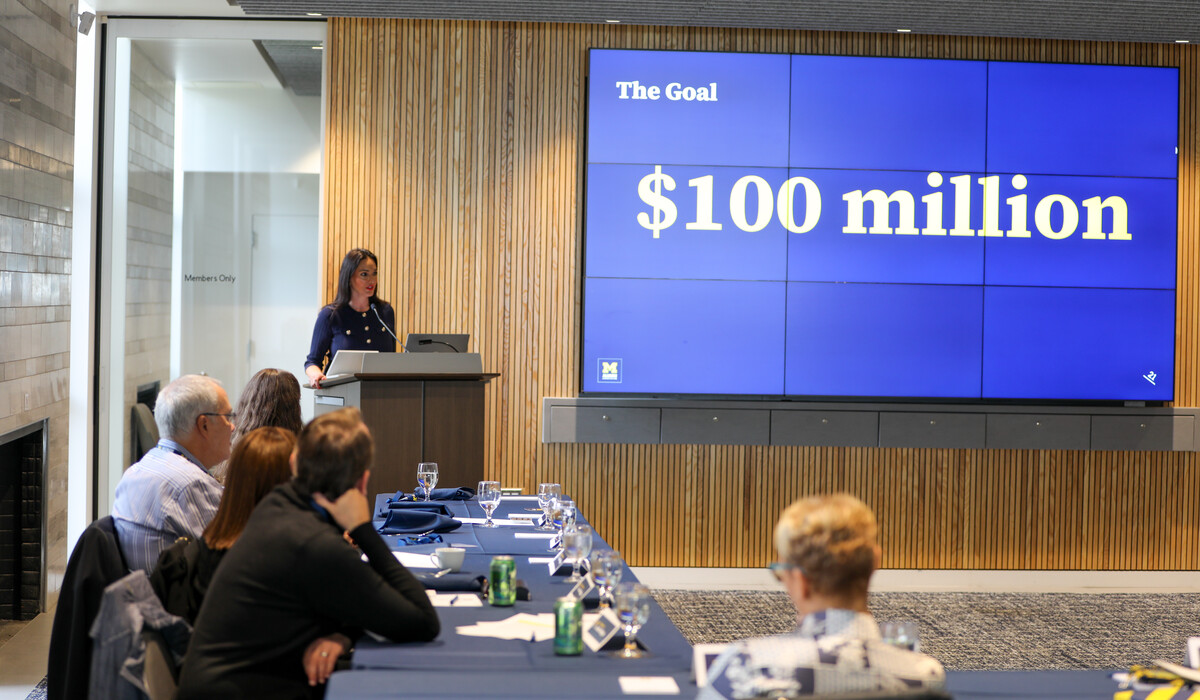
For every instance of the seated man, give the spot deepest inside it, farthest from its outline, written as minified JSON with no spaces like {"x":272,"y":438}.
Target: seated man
{"x":827,"y":552}
{"x":169,"y":493}
{"x":273,"y":620}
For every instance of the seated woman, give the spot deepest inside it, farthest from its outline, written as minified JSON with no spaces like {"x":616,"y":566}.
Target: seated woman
{"x":271,"y":397}
{"x":259,"y":463}
{"x":827,"y":550}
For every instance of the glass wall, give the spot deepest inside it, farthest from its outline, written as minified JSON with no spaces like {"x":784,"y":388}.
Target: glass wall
{"x":210,"y":209}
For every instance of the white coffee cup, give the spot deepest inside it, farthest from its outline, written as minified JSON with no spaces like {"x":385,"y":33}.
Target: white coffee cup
{"x":449,"y":557}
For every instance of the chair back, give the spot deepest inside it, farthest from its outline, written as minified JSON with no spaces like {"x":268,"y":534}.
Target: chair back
{"x":161,"y":673}
{"x":145,"y":430}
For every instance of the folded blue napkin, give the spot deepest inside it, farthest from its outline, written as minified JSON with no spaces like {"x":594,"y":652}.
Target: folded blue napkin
{"x":430,"y":507}
{"x":404,"y":521}
{"x":461,"y":493}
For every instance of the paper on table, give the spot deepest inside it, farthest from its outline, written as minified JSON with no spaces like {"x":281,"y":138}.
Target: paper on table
{"x":498,"y":521}
{"x":411,"y":560}
{"x":536,"y":628}
{"x":526,"y":516}
{"x":520,"y":498}
{"x":649,"y":685}
{"x":536,"y":535}
{"x":540,"y":560}
{"x":453,"y":600}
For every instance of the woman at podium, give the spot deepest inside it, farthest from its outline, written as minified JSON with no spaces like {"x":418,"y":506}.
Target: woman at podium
{"x":356,"y":319}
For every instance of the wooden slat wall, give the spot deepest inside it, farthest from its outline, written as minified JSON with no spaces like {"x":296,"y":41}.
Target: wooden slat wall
{"x":454,"y":152}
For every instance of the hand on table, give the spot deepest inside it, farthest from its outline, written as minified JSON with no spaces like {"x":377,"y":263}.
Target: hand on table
{"x":315,"y":375}
{"x":350,"y":509}
{"x":321,"y":655}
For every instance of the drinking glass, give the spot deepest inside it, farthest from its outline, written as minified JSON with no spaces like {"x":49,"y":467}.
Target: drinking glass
{"x":577,"y":545}
{"x":427,"y":474}
{"x":548,"y":494}
{"x":901,"y":634}
{"x":566,"y":516}
{"x":633,"y":609}
{"x":488,"y":494}
{"x":606,"y":572}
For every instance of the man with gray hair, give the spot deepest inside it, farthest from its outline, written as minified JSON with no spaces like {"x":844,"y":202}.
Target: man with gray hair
{"x":169,"y":493}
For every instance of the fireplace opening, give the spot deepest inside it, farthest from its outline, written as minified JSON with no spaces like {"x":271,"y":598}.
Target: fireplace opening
{"x":22,"y":522}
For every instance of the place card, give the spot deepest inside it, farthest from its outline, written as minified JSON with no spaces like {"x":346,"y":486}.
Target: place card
{"x":498,"y":521}
{"x":556,"y":563}
{"x":597,"y":634}
{"x":582,"y":588}
{"x":703,"y":656}
{"x":649,"y":685}
{"x":534,"y":535}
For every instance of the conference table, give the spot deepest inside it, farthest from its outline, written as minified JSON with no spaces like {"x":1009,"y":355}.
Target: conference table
{"x":457,"y":666}
{"x":460,"y":666}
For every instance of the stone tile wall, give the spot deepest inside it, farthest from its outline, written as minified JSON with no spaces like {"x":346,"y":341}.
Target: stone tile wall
{"x":37,"y":126}
{"x":148,"y":242}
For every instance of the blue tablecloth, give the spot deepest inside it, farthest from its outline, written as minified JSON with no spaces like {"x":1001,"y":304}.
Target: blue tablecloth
{"x":671,"y":654}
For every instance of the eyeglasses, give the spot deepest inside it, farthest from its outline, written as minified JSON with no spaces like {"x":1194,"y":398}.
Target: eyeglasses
{"x":231,"y":416}
{"x":778,"y":567}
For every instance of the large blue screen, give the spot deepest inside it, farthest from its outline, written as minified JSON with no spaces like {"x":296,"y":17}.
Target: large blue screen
{"x":774,"y":225}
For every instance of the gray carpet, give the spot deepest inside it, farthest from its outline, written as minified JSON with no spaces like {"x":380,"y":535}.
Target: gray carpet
{"x":978,"y":630}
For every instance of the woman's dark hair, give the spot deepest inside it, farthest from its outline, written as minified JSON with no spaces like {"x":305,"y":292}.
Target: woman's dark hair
{"x":260,"y":462}
{"x":271,"y":397}
{"x":350,"y":263}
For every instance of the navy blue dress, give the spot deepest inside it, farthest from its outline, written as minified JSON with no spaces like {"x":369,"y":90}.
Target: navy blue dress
{"x":346,"y":329}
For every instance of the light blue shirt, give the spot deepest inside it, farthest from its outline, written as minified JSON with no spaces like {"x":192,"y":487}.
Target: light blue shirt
{"x":166,"y":495}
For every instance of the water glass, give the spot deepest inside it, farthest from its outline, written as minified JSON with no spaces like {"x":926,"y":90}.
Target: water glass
{"x":565,"y":515}
{"x":633,"y":609}
{"x":488,"y":494}
{"x":900,"y":634}
{"x":548,"y":495}
{"x":577,"y":545}
{"x":427,"y":476}
{"x":606,"y":572}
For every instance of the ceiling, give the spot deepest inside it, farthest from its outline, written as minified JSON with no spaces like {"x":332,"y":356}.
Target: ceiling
{"x":1153,"y":21}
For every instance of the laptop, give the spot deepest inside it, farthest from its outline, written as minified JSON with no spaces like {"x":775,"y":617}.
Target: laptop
{"x":436,"y":342}
{"x":346,"y":363}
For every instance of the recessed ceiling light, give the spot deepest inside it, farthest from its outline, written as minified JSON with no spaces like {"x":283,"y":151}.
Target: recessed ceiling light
{"x":613,"y":21}
{"x":904,"y":31}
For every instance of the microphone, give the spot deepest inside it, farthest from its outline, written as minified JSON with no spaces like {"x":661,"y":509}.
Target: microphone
{"x":385,"y":326}
{"x":430,"y":341}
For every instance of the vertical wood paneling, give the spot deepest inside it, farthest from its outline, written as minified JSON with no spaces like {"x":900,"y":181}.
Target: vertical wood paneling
{"x":454,"y":151}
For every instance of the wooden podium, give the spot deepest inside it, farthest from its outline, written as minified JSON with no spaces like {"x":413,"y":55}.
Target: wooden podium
{"x":420,"y":407}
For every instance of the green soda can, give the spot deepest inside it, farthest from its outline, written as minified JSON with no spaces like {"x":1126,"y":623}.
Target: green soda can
{"x":568,"y":626}
{"x":502,"y":590}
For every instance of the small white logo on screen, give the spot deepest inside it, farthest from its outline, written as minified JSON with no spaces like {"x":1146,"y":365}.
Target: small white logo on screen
{"x":609,"y":370}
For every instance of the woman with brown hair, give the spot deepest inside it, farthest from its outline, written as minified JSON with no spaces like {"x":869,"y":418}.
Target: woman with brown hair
{"x":260,"y":462}
{"x":271,"y":397}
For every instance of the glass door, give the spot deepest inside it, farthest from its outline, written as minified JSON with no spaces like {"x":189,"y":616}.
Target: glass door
{"x":210,"y":209}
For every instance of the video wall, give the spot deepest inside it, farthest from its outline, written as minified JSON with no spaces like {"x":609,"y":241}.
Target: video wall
{"x":826,"y":226}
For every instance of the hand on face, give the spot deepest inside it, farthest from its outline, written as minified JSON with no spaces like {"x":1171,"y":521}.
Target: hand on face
{"x":350,"y":509}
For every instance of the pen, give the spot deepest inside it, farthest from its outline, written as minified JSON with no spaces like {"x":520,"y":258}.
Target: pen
{"x":453,"y":600}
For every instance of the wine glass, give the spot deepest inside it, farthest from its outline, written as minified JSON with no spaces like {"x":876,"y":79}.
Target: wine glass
{"x":633,"y":609}
{"x":427,"y":475}
{"x":548,"y":493}
{"x":900,"y":634}
{"x":577,"y":545}
{"x":488,"y":494}
{"x":606,"y":572}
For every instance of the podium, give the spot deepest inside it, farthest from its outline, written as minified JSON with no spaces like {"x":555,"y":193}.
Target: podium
{"x":419,"y":407}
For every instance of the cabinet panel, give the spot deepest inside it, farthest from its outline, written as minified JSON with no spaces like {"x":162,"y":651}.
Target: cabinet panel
{"x":938,"y":430}
{"x":1142,"y":433}
{"x":1038,"y":432}
{"x":609,"y":424}
{"x":715,"y":427}
{"x":825,"y":428}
